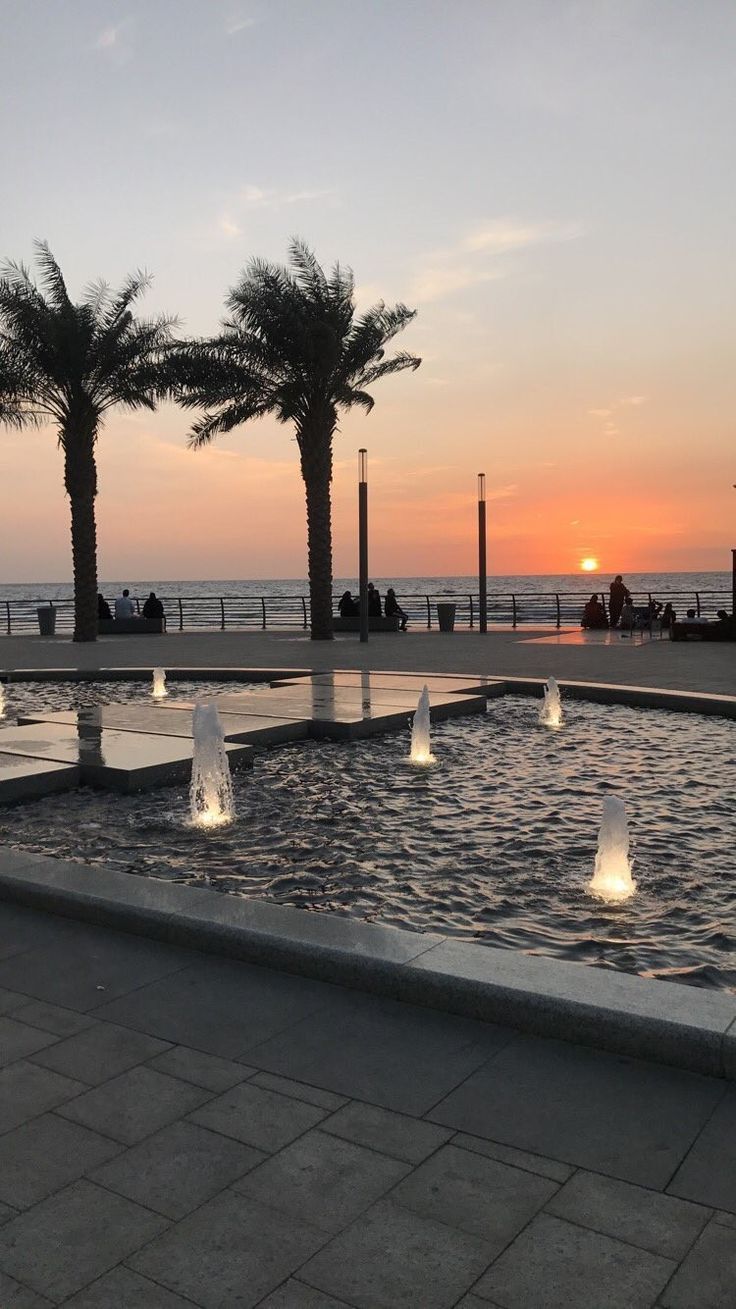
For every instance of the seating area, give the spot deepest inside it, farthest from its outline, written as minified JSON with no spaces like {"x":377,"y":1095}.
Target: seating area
{"x":130,"y":626}
{"x":708,"y":631}
{"x":374,"y":624}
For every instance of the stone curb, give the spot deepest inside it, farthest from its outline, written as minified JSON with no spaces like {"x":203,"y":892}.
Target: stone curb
{"x":660,"y":1021}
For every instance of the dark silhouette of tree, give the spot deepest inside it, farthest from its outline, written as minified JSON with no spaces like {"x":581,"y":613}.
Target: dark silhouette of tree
{"x":68,"y":364}
{"x":293,"y":347}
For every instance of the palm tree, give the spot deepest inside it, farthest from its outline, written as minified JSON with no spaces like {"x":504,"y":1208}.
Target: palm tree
{"x":293,"y":347}
{"x":68,"y":364}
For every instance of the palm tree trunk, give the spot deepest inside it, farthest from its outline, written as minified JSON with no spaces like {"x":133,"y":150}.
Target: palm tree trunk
{"x":80,"y":478}
{"x":316,"y":452}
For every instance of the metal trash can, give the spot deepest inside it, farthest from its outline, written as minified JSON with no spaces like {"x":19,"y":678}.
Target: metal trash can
{"x":47,"y":620}
{"x":446,"y":616}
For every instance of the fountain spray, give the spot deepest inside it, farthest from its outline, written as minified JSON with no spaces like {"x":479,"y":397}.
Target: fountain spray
{"x":158,"y":687}
{"x":612,"y":879}
{"x":420,"y":747}
{"x":211,"y":791}
{"x":550,"y":714}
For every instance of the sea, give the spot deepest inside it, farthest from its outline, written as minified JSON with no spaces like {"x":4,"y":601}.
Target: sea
{"x":549,"y":584}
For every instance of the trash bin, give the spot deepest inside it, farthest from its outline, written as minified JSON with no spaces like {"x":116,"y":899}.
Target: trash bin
{"x":47,"y":620}
{"x":446,"y":616}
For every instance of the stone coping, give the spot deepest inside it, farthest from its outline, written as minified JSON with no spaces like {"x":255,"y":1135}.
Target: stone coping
{"x":665,"y":1022}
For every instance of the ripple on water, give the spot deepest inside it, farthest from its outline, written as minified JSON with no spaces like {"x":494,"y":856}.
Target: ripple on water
{"x":495,"y":843}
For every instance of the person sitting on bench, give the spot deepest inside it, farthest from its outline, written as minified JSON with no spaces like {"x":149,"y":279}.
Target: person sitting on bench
{"x":103,"y":608}
{"x":392,"y":609}
{"x":348,"y":607}
{"x":374,"y":602}
{"x":153,"y":607}
{"x":594,"y":615}
{"x":124,"y":606}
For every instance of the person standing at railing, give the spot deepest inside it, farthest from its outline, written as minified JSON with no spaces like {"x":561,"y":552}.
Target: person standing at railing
{"x":619,"y":596}
{"x":374,"y":601}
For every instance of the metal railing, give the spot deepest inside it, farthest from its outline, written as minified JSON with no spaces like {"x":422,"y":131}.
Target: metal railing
{"x":244,"y":613}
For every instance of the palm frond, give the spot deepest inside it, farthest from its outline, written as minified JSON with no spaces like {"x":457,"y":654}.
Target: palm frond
{"x":51,"y":278}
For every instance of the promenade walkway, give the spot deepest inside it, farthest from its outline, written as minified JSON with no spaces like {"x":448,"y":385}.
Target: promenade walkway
{"x":594,"y":657}
{"x":182,"y":1130}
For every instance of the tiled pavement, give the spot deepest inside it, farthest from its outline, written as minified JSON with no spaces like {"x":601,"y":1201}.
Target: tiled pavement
{"x":177,"y":1130}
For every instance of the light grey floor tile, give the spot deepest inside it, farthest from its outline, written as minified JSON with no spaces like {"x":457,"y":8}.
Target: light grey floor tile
{"x":206,"y":1070}
{"x":393,"y":1134}
{"x":89,"y":966}
{"x":15,"y":1296}
{"x":124,"y":1289}
{"x":387,"y":1053}
{"x":708,"y":1172}
{"x":220,"y":1007}
{"x":134,"y":1105}
{"x":258,"y":1117}
{"x":478,"y":1195}
{"x":99,"y":1053}
{"x":613,"y":1115}
{"x":707,"y":1277}
{"x":230,"y":1252}
{"x":507,"y":1154}
{"x":177,"y":1169}
{"x":649,"y":1219}
{"x":330,"y":1180}
{"x":558,"y":1265}
{"x":295,"y":1295}
{"x":17,"y":1040}
{"x":391,"y":1258}
{"x":64,"y":1242}
{"x":45,"y":1154}
{"x":299,"y":1090}
{"x":27,"y":1090}
{"x":52,"y":1018}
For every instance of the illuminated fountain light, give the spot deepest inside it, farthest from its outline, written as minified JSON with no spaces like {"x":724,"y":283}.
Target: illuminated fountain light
{"x":612,"y":878}
{"x":550,"y":714}
{"x":158,"y":687}
{"x":420,"y":747}
{"x":211,"y":790}
{"x":2,"y":700}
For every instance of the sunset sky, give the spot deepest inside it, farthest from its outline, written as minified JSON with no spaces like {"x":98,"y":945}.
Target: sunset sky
{"x":550,"y":183}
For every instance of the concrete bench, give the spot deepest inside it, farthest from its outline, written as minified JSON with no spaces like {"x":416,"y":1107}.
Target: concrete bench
{"x":710,"y":631}
{"x":130,"y":626}
{"x":374,"y":624}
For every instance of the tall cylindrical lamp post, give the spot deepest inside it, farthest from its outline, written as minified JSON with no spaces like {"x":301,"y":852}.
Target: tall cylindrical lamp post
{"x":482,"y":578}
{"x":363,"y":541}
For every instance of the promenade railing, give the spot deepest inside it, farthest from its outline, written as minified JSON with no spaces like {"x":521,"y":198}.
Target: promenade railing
{"x":247,"y":613}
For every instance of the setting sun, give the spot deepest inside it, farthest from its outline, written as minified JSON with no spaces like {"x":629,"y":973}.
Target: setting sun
{"x":589,"y":565}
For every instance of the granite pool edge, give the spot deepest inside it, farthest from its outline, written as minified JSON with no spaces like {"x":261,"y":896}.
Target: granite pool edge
{"x":664,"y":1022}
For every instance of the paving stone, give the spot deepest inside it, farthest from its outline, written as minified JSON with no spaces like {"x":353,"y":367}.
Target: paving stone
{"x":27,"y":1090}
{"x":206,"y":1070}
{"x":506,"y":1154}
{"x":99,"y":1053}
{"x":329,"y":1179}
{"x":296,"y":1295}
{"x":12,"y":1001}
{"x":477,"y":1195}
{"x":52,"y":1018}
{"x":25,"y":929}
{"x":393,"y":1134}
{"x":558,"y":1265}
{"x":391,"y":1258}
{"x":134,"y":1105}
{"x":67,"y":1240}
{"x":220,"y":1007}
{"x":613,"y":1115}
{"x":708,"y":1173}
{"x":725,"y":1219}
{"x":89,"y":965}
{"x":15,"y":1296}
{"x":18,"y":1040}
{"x":124,"y":1289}
{"x":231,"y":1252}
{"x":177,"y":1169}
{"x":395,"y":1055}
{"x":707,"y":1277}
{"x":299,"y":1090}
{"x":258,"y":1117}
{"x":45,"y":1154}
{"x":6,"y":1213}
{"x":648,"y":1219}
